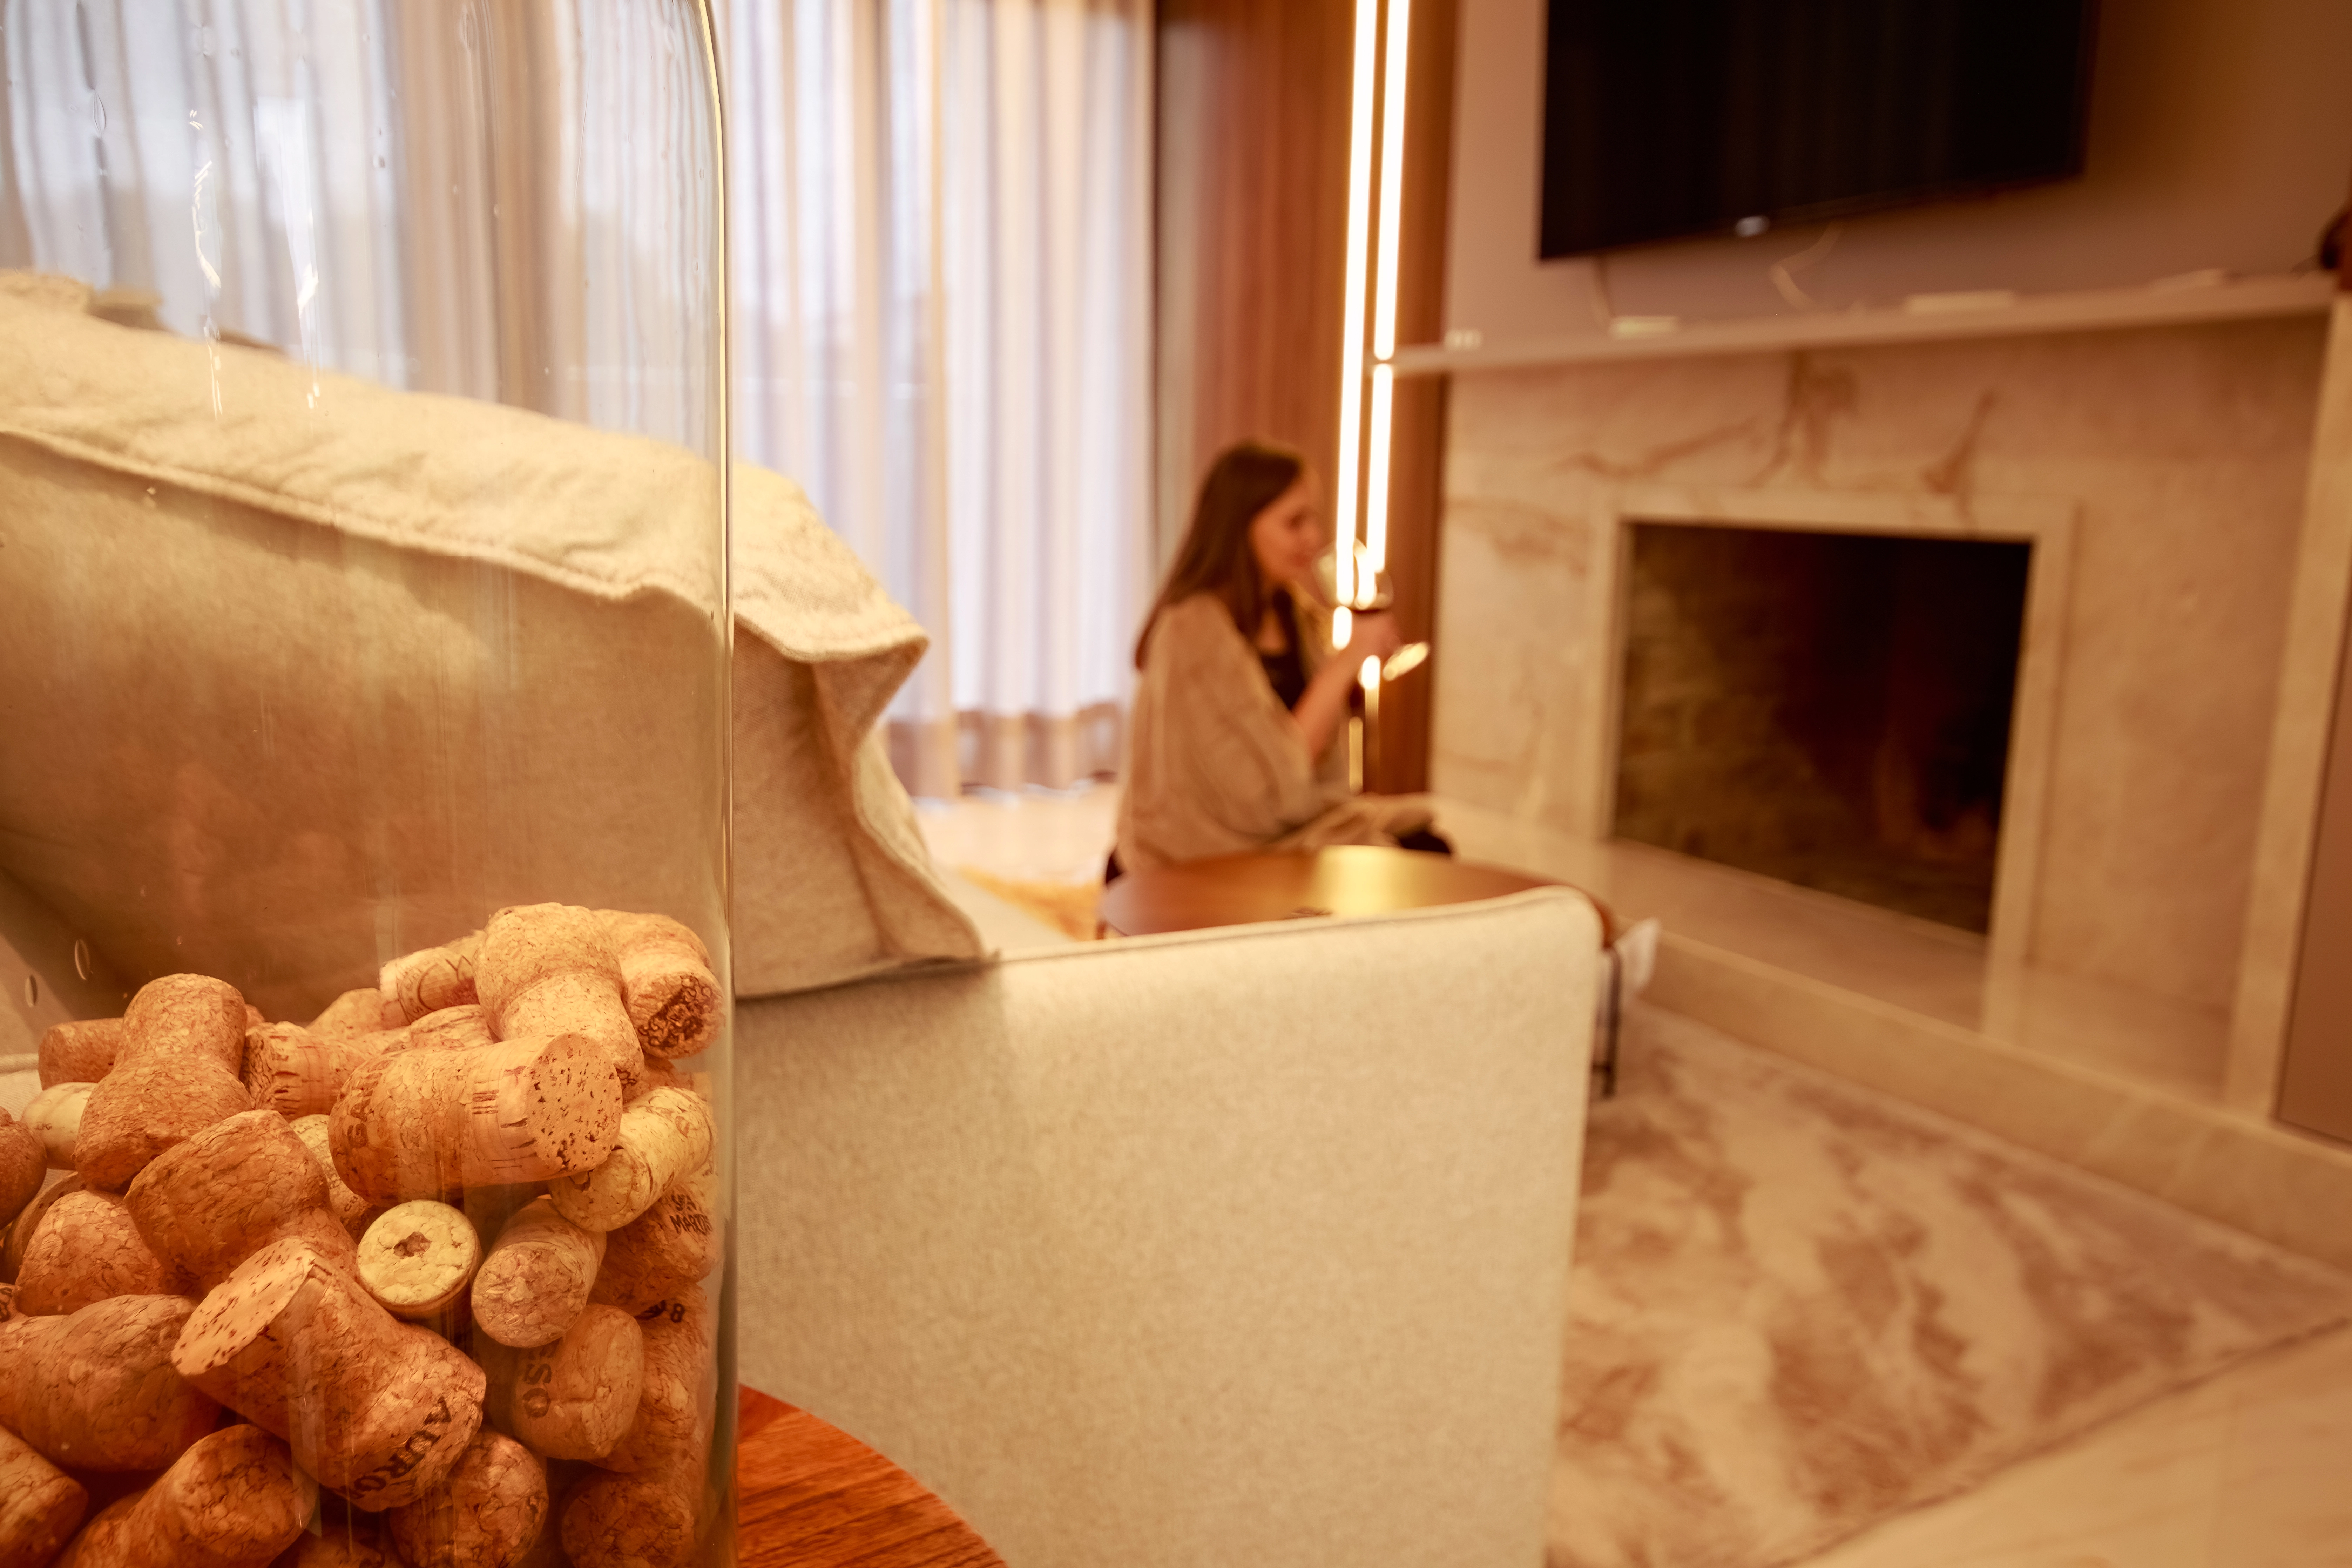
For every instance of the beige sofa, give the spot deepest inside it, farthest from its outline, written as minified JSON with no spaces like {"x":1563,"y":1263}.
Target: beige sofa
{"x":301,"y":673}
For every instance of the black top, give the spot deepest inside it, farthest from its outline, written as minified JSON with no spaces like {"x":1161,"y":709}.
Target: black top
{"x":1285,"y":671}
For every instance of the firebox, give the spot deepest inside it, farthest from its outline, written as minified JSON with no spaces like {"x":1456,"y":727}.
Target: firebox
{"x":1830,"y":709}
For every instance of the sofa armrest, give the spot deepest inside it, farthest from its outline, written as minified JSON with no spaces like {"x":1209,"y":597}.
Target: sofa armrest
{"x":1240,"y":1246}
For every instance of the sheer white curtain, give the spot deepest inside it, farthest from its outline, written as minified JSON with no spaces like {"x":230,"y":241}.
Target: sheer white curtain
{"x":423,"y":195}
{"x":940,"y":215}
{"x":942,"y":230}
{"x":241,"y":172}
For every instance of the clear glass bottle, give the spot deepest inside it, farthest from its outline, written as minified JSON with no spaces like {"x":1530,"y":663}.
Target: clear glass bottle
{"x":364,"y":631}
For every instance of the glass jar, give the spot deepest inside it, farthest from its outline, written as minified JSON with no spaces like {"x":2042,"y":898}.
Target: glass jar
{"x":364,"y":802}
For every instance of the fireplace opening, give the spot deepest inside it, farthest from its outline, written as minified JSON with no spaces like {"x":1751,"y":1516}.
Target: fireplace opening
{"x":1831,"y":709}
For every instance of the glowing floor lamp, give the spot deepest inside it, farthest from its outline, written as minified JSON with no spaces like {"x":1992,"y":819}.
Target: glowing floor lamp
{"x":1359,"y":564}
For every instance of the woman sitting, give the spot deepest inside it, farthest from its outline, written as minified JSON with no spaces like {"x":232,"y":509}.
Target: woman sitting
{"x":1238,"y":738}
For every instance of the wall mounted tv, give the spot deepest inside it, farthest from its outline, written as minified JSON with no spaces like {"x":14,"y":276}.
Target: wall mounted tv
{"x":1665,"y":118}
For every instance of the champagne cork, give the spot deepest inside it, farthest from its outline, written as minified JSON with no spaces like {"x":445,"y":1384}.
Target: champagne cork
{"x":354,"y":1212}
{"x":209,"y":1203}
{"x":674,"y":1244}
{"x":575,"y":1398}
{"x":430,"y":979}
{"x":678,"y":1404}
{"x":491,"y":1511}
{"x":374,"y":1408}
{"x":353,"y":1013}
{"x":673,"y":998}
{"x":97,"y":1391}
{"x":421,"y":1124}
{"x":464,"y":1025}
{"x":661,"y":1137}
{"x":550,"y":969}
{"x":177,"y":1073}
{"x":81,"y":1052}
{"x":87,"y":1249}
{"x":547,"y":1551}
{"x":40,"y":1505}
{"x":296,"y":1073}
{"x":417,"y":1258}
{"x":537,"y":1277}
{"x":55,"y":1117}
{"x":644,"y":1521}
{"x":28,"y":1220}
{"x":290,"y":1070}
{"x":23,"y":1165}
{"x":233,"y":1501}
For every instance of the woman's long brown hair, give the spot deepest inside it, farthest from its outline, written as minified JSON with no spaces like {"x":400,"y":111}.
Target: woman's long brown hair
{"x":1216,"y":557}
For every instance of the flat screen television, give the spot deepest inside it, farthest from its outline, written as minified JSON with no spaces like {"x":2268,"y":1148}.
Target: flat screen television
{"x":1668,"y":119}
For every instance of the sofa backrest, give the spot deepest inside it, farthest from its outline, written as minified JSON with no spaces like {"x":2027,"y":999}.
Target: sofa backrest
{"x":304,"y":673}
{"x":1246,"y":1247}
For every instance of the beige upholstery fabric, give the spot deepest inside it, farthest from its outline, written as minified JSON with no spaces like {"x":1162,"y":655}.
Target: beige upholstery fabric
{"x":301,"y":673}
{"x":1242,"y":1247}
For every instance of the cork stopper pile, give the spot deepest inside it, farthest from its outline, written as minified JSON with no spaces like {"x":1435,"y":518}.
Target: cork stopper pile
{"x":416,"y":1284}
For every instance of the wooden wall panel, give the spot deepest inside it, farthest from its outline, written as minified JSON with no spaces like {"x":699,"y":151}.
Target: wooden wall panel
{"x":1417,"y":474}
{"x":1253,"y":213}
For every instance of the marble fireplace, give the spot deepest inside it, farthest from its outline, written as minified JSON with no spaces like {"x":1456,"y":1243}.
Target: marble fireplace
{"x":1771,"y":778}
{"x":1830,"y":709}
{"x":2157,"y":473}
{"x":2147,"y":485}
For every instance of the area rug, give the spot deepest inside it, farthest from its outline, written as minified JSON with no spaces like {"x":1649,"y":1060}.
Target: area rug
{"x":1068,"y":906}
{"x":1799,"y":1306}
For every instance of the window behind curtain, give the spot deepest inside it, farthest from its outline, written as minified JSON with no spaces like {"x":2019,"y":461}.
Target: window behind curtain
{"x":941,"y":225}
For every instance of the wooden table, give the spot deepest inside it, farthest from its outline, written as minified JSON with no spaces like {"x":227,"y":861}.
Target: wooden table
{"x":811,"y":1495}
{"x":1275,"y":885}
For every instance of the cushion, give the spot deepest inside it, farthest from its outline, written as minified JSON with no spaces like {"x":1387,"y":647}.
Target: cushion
{"x":302,"y":673}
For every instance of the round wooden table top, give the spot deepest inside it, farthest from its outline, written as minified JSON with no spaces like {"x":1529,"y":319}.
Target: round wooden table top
{"x":1291,"y":884}
{"x":811,"y":1495}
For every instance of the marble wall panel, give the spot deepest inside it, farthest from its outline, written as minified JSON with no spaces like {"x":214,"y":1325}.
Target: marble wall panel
{"x":2185,"y":449}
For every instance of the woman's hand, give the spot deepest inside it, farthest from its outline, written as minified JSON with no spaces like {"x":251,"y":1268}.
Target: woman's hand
{"x":1322,"y":712}
{"x":1373,"y":636}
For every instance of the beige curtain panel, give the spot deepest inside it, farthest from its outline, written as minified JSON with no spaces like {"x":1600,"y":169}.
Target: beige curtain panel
{"x":942,"y":231}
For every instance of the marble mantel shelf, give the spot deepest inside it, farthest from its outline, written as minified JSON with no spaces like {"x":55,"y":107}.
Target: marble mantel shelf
{"x":2089,"y":310}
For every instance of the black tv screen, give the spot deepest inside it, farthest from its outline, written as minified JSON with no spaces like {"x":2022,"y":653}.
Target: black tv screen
{"x":1670,"y":117}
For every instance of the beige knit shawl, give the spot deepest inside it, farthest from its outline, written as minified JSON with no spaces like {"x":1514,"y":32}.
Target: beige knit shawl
{"x":1216,"y":765}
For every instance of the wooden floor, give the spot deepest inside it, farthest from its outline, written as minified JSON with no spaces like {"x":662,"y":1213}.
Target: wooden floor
{"x":812,"y":1495}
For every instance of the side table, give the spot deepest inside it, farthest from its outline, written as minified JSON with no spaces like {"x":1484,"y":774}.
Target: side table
{"x":811,"y":1495}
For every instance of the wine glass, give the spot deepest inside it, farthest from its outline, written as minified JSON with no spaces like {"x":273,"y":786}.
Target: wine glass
{"x":1375,"y":591}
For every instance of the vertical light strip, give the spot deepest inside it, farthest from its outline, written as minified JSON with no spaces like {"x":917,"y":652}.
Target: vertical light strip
{"x":1398,"y":52}
{"x":1376,"y":476}
{"x":1384,"y":327}
{"x":1351,"y":319}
